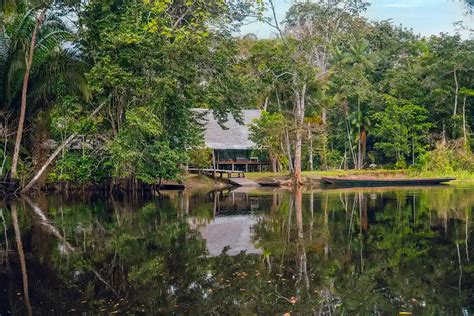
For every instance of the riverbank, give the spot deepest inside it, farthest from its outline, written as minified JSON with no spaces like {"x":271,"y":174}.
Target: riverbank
{"x":461,"y":176}
{"x":200,"y":183}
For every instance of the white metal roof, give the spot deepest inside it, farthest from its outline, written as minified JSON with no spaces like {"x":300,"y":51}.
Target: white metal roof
{"x":236,"y":136}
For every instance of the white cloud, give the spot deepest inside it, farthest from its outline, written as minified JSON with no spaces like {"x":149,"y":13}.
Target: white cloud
{"x":400,"y":5}
{"x":404,"y":4}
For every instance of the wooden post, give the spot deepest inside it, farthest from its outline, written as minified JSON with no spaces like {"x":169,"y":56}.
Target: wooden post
{"x":214,"y":163}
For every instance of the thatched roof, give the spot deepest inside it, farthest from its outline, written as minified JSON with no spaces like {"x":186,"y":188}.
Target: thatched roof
{"x":236,"y":136}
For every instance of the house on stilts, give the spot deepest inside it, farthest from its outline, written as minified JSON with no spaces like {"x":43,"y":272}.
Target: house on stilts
{"x":231,"y":147}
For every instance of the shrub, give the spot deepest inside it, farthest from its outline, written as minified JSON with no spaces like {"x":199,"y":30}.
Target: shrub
{"x":448,"y":157}
{"x":200,"y":158}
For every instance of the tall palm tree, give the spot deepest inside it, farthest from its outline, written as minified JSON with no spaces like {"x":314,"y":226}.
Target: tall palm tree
{"x":361,"y":56}
{"x":359,"y":59}
{"x":32,"y":58}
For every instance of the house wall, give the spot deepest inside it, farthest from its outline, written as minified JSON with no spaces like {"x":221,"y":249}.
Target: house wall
{"x":232,"y":154}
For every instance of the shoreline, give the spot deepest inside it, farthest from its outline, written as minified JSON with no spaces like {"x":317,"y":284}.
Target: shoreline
{"x":202,"y":183}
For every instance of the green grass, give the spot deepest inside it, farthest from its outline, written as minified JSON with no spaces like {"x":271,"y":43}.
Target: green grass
{"x":461,"y":176}
{"x":318,"y":174}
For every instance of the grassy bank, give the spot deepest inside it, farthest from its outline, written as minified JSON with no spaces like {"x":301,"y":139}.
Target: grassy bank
{"x":319,"y":174}
{"x":461,"y":176}
{"x":202,"y":183}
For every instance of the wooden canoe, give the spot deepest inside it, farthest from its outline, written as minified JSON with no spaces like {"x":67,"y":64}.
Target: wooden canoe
{"x":274,"y":183}
{"x":172,"y":186}
{"x":374,"y":182}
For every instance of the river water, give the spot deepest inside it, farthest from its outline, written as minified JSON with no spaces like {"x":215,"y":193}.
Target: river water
{"x":267,"y":252}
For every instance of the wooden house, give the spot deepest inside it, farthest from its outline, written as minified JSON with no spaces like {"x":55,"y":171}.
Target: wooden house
{"x":232,"y":149}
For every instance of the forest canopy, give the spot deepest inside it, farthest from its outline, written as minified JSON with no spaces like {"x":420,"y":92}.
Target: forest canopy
{"x":103,"y":91}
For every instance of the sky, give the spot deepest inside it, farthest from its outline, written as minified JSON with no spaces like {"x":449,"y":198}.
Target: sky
{"x":425,"y":17}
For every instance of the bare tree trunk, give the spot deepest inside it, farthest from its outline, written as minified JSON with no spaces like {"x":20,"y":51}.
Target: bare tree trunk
{"x":274,"y":163}
{"x":363,"y":146}
{"x":349,"y":132}
{"x":265,"y":105}
{"x":443,"y":140}
{"x":456,"y":96}
{"x":464,"y":123}
{"x":310,"y":149}
{"x":5,"y":146}
{"x":324,"y":144}
{"x":53,"y":156}
{"x":24,"y":91}
{"x":298,"y":148}
{"x":288,"y":152}
{"x":359,"y":145}
{"x":299,"y":109}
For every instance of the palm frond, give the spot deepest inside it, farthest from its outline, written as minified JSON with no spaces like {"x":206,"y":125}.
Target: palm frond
{"x":63,"y":66}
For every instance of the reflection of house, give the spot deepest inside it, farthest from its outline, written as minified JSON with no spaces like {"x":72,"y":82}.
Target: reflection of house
{"x":228,"y":220}
{"x":232,"y":232}
{"x":232,"y":148}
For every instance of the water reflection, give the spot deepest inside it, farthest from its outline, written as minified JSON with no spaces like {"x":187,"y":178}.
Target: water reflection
{"x":373,"y":251}
{"x":21,"y":255}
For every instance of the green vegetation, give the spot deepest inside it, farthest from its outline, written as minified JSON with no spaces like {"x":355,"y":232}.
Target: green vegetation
{"x":352,"y":252}
{"x":383,"y":95}
{"x":460,"y":175}
{"x":107,"y":96}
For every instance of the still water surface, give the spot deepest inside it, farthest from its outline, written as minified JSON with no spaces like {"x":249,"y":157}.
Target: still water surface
{"x":269,"y":252}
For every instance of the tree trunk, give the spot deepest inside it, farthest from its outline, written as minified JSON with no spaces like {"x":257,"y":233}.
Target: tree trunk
{"x":464,"y":123}
{"x":363,"y":147}
{"x":359,"y":145}
{"x":274,"y":163}
{"x":24,"y":91}
{"x":299,"y":109}
{"x":456,"y":96}
{"x":298,"y":146}
{"x":443,"y":138}
{"x":288,"y":152}
{"x":351,"y":148}
{"x":310,"y":149}
{"x":324,"y":148}
{"x":53,"y":156}
{"x":265,"y":105}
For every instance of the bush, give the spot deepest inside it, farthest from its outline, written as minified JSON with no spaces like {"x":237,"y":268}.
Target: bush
{"x":449,"y":157}
{"x":77,"y":167}
{"x":200,"y":158}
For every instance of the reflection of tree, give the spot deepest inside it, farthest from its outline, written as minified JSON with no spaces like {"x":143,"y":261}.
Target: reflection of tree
{"x":21,"y":255}
{"x":329,"y":253}
{"x":395,"y":264}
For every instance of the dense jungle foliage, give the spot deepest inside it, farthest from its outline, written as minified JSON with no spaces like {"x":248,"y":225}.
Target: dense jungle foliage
{"x":103,"y":91}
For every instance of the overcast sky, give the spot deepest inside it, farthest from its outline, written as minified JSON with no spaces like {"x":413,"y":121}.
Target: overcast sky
{"x":426,"y":17}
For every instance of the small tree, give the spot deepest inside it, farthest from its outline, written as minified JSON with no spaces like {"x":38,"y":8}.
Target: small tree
{"x":140,"y":151}
{"x":266,"y":132}
{"x":400,"y":129}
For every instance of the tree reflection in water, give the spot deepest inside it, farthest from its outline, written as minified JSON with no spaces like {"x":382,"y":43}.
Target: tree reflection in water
{"x":374,"y":251}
